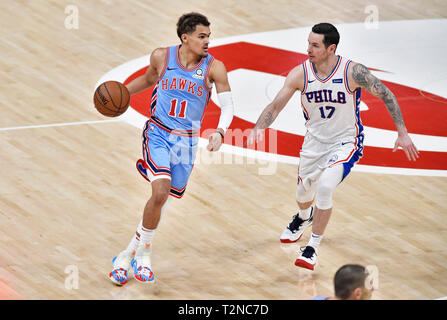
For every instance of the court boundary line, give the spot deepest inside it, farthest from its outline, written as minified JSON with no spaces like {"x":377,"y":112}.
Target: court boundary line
{"x":60,"y":124}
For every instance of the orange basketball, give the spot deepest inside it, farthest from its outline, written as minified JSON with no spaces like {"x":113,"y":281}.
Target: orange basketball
{"x":111,"y":98}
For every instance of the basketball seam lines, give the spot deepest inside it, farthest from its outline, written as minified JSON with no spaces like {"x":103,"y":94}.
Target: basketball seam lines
{"x":104,"y":105}
{"x":121,"y":100}
{"x":111,"y":99}
{"x":111,"y":110}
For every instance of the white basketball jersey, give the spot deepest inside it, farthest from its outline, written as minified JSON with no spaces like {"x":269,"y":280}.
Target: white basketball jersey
{"x":330,"y":108}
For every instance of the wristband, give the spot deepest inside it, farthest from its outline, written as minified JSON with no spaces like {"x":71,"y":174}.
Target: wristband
{"x":221,"y":134}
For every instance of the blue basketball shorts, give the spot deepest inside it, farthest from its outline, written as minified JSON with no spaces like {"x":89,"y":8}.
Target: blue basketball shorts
{"x":167,"y":156}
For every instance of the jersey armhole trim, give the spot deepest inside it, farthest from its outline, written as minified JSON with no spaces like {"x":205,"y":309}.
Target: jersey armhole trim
{"x":305,"y":78}
{"x":205,"y":78}
{"x":346,"y":77}
{"x":165,"y":67}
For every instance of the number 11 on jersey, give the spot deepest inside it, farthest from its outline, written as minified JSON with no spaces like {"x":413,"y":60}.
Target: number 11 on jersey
{"x":183,"y":106}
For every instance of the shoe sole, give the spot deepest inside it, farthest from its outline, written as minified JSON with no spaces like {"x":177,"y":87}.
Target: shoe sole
{"x":145,"y":282}
{"x":304,"y":264}
{"x":290,"y":241}
{"x":115,"y":282}
{"x":286,"y":240}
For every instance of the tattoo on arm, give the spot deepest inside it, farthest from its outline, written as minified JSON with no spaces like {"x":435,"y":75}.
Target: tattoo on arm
{"x":370,"y":83}
{"x":265,"y":119}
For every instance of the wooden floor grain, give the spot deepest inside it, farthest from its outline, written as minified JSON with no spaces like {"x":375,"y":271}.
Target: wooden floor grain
{"x":70,"y":197}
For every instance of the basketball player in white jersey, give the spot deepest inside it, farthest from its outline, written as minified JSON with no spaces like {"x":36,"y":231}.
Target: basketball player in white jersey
{"x":330,"y":88}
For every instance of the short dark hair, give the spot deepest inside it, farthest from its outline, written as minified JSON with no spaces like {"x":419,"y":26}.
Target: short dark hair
{"x":187,"y":23}
{"x":348,"y":278}
{"x":330,"y":33}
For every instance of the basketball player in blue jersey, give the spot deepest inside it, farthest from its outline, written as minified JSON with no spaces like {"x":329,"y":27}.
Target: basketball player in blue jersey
{"x":330,"y":88}
{"x":183,"y":76}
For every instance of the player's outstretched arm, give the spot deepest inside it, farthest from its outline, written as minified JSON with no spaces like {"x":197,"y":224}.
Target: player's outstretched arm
{"x":147,"y":80}
{"x":363,"y":78}
{"x":294,"y":81}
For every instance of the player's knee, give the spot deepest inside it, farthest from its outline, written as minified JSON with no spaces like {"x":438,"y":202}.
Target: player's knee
{"x":303,"y":196}
{"x":159,"y":198}
{"x":324,"y":196}
{"x":160,"y":195}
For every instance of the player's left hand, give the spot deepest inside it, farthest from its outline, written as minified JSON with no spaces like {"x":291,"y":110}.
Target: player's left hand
{"x":404,"y":141}
{"x":215,"y":141}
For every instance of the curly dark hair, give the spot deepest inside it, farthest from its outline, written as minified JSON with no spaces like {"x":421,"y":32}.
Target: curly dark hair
{"x":187,"y":23}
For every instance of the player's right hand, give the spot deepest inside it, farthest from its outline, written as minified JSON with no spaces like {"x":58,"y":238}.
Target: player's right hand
{"x":215,"y":141}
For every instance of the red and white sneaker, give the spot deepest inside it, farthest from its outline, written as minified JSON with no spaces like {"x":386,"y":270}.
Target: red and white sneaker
{"x":121,"y":265}
{"x":141,"y":264}
{"x":307,"y":259}
{"x":294,"y":231}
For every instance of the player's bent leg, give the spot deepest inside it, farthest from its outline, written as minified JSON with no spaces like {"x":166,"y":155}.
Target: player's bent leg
{"x":122,"y":262}
{"x":152,"y":211}
{"x":155,"y":168}
{"x":141,"y":263}
{"x":327,"y":183}
{"x":303,"y":219}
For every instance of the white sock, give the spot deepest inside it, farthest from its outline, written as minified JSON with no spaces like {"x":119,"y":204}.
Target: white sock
{"x":146,"y":236}
{"x":315,"y":240}
{"x":133,"y":244}
{"x":305,"y":214}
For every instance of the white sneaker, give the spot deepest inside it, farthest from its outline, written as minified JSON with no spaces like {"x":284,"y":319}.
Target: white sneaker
{"x":307,"y":259}
{"x":295,"y":229}
{"x":141,"y":264}
{"x":121,"y":265}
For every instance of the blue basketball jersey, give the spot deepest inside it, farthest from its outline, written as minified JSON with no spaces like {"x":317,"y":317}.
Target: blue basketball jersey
{"x":181,"y":95}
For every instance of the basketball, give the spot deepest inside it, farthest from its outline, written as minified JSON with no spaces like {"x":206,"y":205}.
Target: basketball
{"x":111,"y":98}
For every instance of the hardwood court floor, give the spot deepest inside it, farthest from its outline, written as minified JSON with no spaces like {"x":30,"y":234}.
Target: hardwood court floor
{"x":70,"y":197}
